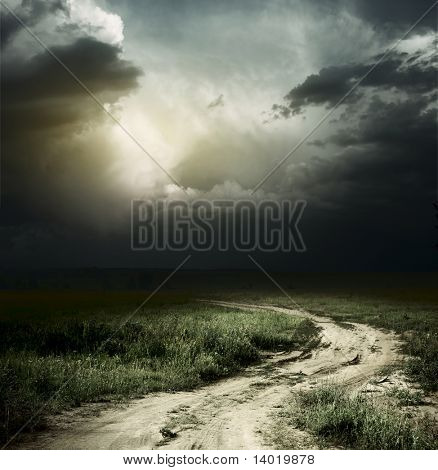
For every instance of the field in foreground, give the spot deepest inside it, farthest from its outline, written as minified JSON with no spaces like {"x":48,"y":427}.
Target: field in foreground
{"x":56,"y":360}
{"x":362,"y":387}
{"x":257,"y":408}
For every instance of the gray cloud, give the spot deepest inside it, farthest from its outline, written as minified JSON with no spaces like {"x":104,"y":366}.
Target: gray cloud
{"x":218,"y":102}
{"x":30,"y":12}
{"x":53,"y":167}
{"x":401,"y":71}
{"x":40,"y":94}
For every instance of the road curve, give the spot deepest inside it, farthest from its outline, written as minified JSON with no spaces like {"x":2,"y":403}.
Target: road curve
{"x":233,"y":413}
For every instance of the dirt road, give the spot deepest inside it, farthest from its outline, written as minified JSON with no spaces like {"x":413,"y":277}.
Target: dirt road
{"x":233,"y":413}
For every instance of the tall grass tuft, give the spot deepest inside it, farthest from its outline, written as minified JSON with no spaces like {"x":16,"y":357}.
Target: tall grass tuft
{"x":337,"y":418}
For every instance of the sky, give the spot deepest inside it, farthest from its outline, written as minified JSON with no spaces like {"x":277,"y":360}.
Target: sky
{"x":218,"y":92}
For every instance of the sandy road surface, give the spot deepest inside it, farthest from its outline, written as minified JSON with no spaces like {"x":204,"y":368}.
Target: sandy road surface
{"x":232,"y":413}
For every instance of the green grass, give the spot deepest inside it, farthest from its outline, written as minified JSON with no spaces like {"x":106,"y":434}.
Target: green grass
{"x":65,"y":360}
{"x":406,"y":397}
{"x":336,"y":418}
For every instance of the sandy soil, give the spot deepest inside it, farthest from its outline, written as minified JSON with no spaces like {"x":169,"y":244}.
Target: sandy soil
{"x":234,"y":413}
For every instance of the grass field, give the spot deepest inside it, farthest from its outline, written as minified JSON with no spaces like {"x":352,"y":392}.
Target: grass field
{"x":78,"y":338}
{"x":63,"y":351}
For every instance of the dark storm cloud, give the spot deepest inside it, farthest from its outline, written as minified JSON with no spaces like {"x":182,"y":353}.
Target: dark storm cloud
{"x":30,"y":12}
{"x":370,"y":203}
{"x":48,"y":174}
{"x":57,"y":186}
{"x":408,"y":73}
{"x":396,"y":13}
{"x":407,"y":125}
{"x":391,"y":150}
{"x":40,"y":94}
{"x":386,"y":141}
{"x":373,"y":194}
